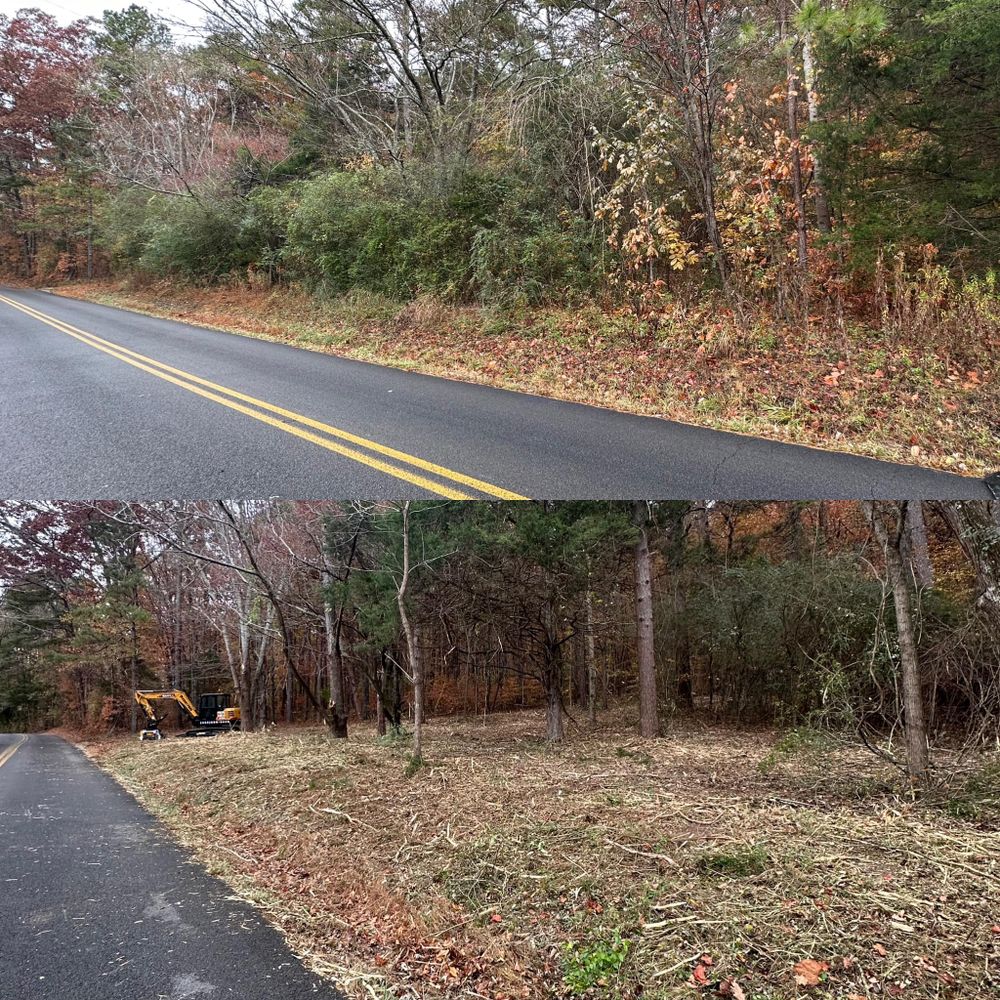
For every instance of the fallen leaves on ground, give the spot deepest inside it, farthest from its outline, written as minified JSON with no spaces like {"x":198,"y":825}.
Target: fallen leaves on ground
{"x":922,"y":405}
{"x":810,"y":972}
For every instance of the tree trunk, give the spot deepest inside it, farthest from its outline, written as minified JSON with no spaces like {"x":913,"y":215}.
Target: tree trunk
{"x":90,"y":230}
{"x":702,"y":526}
{"x":175,"y":641}
{"x":682,"y":646}
{"x":915,"y":550}
{"x":417,"y":671}
{"x":890,"y":538}
{"x":412,"y":645}
{"x":649,"y":723}
{"x":792,"y":108}
{"x":591,"y":659}
{"x":334,"y":665}
{"x":553,"y":698}
{"x":134,"y":679}
{"x":823,"y":219}
{"x":244,"y":687}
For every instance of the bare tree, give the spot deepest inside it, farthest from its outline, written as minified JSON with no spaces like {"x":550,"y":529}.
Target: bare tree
{"x":888,"y":522}
{"x":386,"y":76}
{"x":174,"y":126}
{"x":976,"y":524}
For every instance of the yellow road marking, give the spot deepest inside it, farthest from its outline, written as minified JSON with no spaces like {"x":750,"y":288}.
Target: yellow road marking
{"x":160,"y":370}
{"x":10,"y":751}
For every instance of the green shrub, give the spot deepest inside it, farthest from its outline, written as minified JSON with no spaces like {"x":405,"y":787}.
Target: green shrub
{"x":124,"y":225}
{"x":196,"y":241}
{"x":456,"y":233}
{"x":797,"y":641}
{"x":585,"y":968}
{"x":163,"y":235}
{"x":533,"y":260}
{"x":264,"y":227}
{"x":456,"y":236}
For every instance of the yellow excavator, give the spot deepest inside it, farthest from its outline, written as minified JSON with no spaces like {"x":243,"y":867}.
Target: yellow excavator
{"x":215,"y":712}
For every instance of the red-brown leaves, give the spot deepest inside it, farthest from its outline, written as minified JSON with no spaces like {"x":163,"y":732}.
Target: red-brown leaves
{"x":810,"y":972}
{"x":700,"y":975}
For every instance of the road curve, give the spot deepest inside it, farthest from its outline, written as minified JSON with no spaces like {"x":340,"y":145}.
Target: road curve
{"x":102,"y":402}
{"x":97,"y":903}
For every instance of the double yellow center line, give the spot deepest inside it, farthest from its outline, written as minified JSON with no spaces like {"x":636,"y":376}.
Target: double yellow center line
{"x":11,"y":750}
{"x":400,"y":465}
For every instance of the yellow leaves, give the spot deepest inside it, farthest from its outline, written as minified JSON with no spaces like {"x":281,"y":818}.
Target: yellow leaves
{"x":639,"y":205}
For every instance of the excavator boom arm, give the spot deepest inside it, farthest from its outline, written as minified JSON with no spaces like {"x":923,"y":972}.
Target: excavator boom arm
{"x":148,"y":699}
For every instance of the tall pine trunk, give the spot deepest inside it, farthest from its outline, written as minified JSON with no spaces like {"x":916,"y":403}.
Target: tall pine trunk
{"x":915,"y":548}
{"x":412,"y":643}
{"x":553,"y":696}
{"x":824,"y":220}
{"x":792,"y":108}
{"x":649,"y":722}
{"x":591,"y":659}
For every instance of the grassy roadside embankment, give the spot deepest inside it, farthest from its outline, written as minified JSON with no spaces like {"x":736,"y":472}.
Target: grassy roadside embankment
{"x":605,"y":867}
{"x":857,"y":393}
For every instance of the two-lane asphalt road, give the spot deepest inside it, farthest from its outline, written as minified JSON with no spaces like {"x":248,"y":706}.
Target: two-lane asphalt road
{"x":101,"y":402}
{"x":97,"y":903}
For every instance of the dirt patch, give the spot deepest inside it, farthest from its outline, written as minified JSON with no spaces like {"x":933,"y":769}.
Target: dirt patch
{"x":607,"y":866}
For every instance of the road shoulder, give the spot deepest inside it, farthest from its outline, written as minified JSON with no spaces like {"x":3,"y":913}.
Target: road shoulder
{"x":922,"y":411}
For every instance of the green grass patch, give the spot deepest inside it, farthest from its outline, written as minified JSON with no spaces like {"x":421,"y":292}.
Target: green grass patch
{"x":736,"y":863}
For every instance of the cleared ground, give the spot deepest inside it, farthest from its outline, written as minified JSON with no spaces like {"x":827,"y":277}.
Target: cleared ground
{"x":607,"y":866}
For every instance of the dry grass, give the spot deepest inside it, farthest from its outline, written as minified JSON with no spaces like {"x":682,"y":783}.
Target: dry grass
{"x":860,"y":391}
{"x":606,"y":867}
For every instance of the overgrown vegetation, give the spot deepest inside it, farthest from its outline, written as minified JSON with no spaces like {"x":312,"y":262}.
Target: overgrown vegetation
{"x":827,"y":207}
{"x":706,"y":370}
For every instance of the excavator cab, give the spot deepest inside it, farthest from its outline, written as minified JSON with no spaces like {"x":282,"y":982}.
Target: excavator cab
{"x":215,"y":707}
{"x":214,"y":714}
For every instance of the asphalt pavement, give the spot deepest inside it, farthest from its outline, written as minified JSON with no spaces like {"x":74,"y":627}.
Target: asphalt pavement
{"x":98,"y":903}
{"x":103,"y":402}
